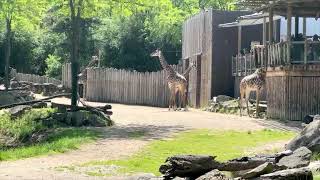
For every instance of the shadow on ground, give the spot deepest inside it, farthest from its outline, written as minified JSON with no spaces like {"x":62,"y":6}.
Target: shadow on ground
{"x":143,"y":132}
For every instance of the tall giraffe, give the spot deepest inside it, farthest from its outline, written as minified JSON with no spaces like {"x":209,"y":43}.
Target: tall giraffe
{"x":176,"y":82}
{"x":253,"y":82}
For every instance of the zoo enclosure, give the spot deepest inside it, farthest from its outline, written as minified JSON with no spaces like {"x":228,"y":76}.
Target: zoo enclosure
{"x":123,"y":86}
{"x":34,"y":78}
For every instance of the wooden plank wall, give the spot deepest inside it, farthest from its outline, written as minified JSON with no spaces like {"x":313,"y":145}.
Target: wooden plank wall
{"x":128,"y":87}
{"x":66,"y":75}
{"x":293,"y":95}
{"x":197,"y":38}
{"x":35,"y":78}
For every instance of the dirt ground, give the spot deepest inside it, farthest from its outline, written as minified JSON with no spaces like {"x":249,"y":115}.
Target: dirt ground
{"x":116,"y":142}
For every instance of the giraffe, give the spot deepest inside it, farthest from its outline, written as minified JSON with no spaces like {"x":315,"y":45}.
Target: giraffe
{"x":253,"y":82}
{"x":176,"y":82}
{"x":185,"y":73}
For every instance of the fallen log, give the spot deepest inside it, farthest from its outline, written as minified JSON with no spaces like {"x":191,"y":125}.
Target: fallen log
{"x":188,"y":166}
{"x":195,"y":166}
{"x":14,"y":89}
{"x":85,"y":107}
{"x":34,"y":101}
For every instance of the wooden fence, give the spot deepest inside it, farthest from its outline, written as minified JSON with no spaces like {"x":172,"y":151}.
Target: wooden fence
{"x":66,"y":75}
{"x":122,"y":86}
{"x":34,"y":78}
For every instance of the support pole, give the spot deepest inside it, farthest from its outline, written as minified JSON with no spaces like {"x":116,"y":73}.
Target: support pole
{"x":305,"y":27}
{"x":271,"y":25}
{"x":264,"y":31}
{"x":296,"y":27}
{"x":289,"y":23}
{"x":239,"y":39}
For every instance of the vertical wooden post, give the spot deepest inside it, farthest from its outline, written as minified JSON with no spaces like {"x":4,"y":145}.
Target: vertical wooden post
{"x":296,"y":26}
{"x":305,"y":40}
{"x":198,"y":87}
{"x":305,"y":27}
{"x":264,"y":31}
{"x":305,"y":51}
{"x":289,"y":22}
{"x":270,"y":25}
{"x":239,"y":39}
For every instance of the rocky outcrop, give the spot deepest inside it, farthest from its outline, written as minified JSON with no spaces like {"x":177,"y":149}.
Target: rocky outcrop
{"x":308,"y":137}
{"x":283,"y":165}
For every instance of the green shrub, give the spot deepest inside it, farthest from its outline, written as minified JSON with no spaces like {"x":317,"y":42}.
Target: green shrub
{"x":54,"y":66}
{"x":24,"y":126}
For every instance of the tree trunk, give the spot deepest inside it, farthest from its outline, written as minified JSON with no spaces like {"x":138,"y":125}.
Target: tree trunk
{"x":7,"y":52}
{"x":75,"y":41}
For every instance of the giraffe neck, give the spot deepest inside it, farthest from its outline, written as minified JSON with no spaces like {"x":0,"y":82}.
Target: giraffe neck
{"x":165,"y":65}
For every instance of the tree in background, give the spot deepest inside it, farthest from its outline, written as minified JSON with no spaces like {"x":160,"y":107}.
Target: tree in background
{"x":16,"y":13}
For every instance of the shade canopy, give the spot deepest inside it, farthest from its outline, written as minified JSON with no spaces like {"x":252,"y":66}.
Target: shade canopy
{"x":301,"y":8}
{"x":249,"y":20}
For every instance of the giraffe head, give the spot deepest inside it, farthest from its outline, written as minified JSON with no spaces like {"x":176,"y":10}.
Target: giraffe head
{"x":261,"y":71}
{"x":156,"y":53}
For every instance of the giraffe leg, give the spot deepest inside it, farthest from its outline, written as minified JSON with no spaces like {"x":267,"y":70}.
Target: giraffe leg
{"x":247,"y":101}
{"x":240,"y":100}
{"x":257,"y":103}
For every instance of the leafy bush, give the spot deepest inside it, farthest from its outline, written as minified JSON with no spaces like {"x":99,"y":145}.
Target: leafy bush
{"x":54,"y":66}
{"x":24,"y":126}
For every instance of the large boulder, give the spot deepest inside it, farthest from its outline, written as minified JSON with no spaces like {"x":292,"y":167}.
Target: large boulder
{"x":289,"y":174}
{"x":309,"y":137}
{"x":260,"y":170}
{"x":18,"y":110}
{"x":213,"y":175}
{"x":300,"y":158}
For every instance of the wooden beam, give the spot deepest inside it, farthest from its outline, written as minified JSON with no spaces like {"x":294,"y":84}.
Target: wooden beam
{"x":289,"y":22}
{"x":296,"y":26}
{"x":304,"y":27}
{"x":271,"y":26}
{"x":239,"y":38}
{"x":264,"y":31}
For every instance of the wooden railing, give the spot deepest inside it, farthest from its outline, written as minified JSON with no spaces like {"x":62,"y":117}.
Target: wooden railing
{"x":302,"y":52}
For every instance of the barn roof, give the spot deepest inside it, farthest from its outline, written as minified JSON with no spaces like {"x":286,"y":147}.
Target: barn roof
{"x":301,"y":8}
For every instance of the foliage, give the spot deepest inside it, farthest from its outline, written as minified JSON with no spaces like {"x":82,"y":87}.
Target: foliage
{"x":126,"y":32}
{"x":54,"y":66}
{"x":225,"y":145}
{"x":60,"y":141}
{"x":24,"y":126}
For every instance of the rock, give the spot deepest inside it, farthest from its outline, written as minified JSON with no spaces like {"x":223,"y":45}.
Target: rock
{"x":282,"y":154}
{"x":310,"y":118}
{"x":314,"y":166}
{"x":60,"y":117}
{"x":18,"y":110}
{"x":260,"y":170}
{"x":223,"y":98}
{"x":300,"y":158}
{"x":213,"y":175}
{"x":40,"y":105}
{"x":309,"y":137}
{"x":289,"y":174}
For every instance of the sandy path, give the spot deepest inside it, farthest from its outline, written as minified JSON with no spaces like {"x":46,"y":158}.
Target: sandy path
{"x":116,"y":142}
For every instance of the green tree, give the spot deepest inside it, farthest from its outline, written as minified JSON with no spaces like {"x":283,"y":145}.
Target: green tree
{"x":17,"y":13}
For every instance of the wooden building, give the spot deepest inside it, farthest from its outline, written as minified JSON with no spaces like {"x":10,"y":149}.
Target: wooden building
{"x":210,"y":47}
{"x":292,"y":59}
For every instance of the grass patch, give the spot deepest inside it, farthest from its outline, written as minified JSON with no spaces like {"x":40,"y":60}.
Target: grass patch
{"x":60,"y":141}
{"x":226,"y":145}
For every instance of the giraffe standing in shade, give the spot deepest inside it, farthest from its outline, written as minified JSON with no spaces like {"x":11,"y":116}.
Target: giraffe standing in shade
{"x":253,"y":82}
{"x":176,"y":82}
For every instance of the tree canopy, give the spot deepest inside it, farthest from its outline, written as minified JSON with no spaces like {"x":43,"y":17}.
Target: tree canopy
{"x":126,"y":32}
